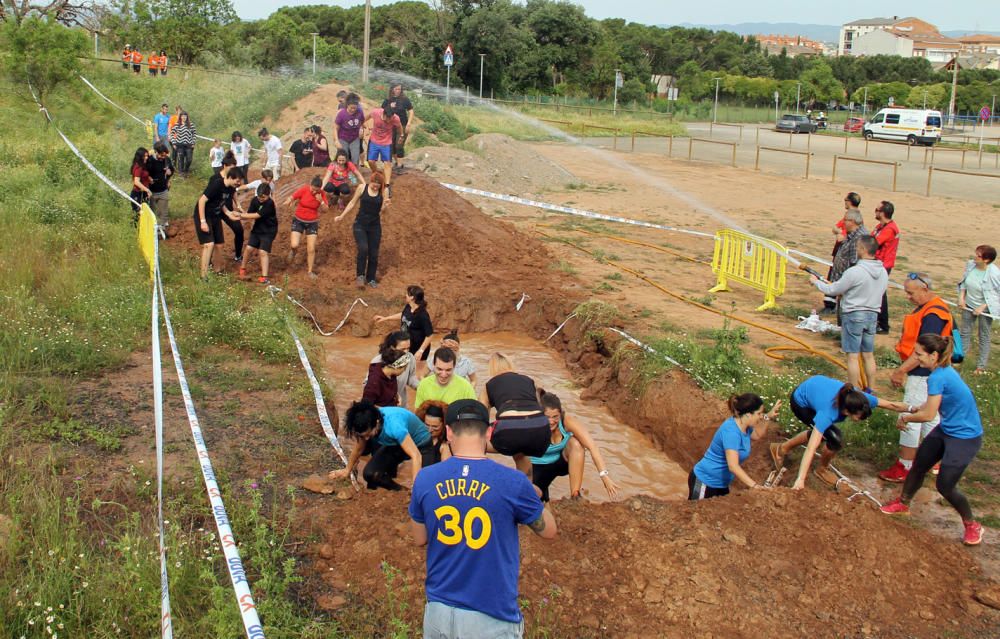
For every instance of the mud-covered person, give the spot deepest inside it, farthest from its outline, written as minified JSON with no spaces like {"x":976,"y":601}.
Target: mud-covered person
{"x":464,"y":367}
{"x":391,"y":435}
{"x":381,"y":386}
{"x":308,"y":199}
{"x":723,"y":461}
{"x":208,"y":213}
{"x":443,"y":385}
{"x":415,"y":320}
{"x":400,"y":341}
{"x":466,"y":510}
{"x":161,"y":169}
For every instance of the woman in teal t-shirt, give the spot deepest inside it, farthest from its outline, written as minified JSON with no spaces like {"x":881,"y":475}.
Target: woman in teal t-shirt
{"x":954,"y":442}
{"x":730,"y":447}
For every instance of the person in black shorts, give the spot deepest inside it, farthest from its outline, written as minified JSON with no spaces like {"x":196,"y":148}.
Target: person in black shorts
{"x":264,"y":230}
{"x":397,"y":103}
{"x":234,"y":223}
{"x":208,"y":212}
{"x":521,"y":429}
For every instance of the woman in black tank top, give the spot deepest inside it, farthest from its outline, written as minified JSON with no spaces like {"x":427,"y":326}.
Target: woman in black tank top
{"x":521,"y":429}
{"x":367,"y":228}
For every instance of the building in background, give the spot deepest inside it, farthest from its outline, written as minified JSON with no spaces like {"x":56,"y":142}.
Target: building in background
{"x":989,"y":44}
{"x":793,"y":45}
{"x":907,"y":37}
{"x":854,"y":30}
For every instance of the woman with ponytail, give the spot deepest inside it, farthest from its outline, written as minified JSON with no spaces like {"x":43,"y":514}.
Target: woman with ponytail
{"x":954,"y":441}
{"x":820,"y":403}
{"x":730,"y":447}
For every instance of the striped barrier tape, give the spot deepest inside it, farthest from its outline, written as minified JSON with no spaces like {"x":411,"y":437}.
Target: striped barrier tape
{"x":649,"y":349}
{"x":234,"y":564}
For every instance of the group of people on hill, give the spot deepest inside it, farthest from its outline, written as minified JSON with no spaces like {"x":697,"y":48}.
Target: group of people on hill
{"x":132,"y":57}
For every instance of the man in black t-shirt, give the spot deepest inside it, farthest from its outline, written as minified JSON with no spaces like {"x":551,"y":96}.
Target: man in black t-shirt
{"x":208,"y":212}
{"x":160,"y":169}
{"x":398,"y":104}
{"x":302,"y":149}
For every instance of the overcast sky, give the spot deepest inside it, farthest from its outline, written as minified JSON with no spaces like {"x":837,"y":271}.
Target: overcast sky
{"x":983,"y":15}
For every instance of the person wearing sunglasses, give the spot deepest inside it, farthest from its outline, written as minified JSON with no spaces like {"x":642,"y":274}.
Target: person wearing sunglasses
{"x":929,"y":317}
{"x":979,"y":298}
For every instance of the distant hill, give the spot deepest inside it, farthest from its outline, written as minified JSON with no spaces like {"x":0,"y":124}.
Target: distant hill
{"x":821,"y":32}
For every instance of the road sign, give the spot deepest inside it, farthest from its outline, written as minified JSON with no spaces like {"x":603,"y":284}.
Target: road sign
{"x":672,"y":93}
{"x":984,"y":113}
{"x":619,"y":80}
{"x":449,"y":56}
{"x":776,"y":95}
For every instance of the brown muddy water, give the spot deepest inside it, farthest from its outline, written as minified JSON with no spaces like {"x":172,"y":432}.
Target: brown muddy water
{"x":636,"y":465}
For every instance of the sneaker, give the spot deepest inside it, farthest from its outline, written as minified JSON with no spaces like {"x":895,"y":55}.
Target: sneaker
{"x":313,"y":276}
{"x":263,"y":280}
{"x":372,"y":283}
{"x":896,"y":507}
{"x":881,"y":331}
{"x":243,"y":273}
{"x":777,"y":456}
{"x":825,"y":475}
{"x":388,"y":191}
{"x":973,"y":533}
{"x":238,"y":258}
{"x":896,"y":474}
{"x":359,"y":281}
{"x":936,"y":470}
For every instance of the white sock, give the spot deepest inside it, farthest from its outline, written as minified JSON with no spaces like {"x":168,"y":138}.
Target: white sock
{"x":907,"y":463}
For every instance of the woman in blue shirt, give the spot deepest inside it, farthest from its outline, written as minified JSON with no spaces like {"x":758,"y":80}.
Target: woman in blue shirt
{"x":821,"y":402}
{"x":389,"y":434}
{"x":954,"y":442}
{"x":730,"y":447}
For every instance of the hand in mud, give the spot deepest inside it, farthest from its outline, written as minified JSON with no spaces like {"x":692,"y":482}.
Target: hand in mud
{"x":760,"y":487}
{"x":610,"y":486}
{"x":378,"y":318}
{"x":338,"y":474}
{"x":799,"y":484}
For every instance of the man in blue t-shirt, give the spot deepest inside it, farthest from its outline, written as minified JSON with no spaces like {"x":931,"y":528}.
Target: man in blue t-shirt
{"x":161,"y":126}
{"x":467,"y":509}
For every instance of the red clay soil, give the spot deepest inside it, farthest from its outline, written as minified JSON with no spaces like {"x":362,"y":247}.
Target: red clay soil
{"x":473,"y":268}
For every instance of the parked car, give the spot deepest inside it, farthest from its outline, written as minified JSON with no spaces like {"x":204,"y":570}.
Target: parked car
{"x":790,"y":123}
{"x":853,"y":125}
{"x":914,"y":126}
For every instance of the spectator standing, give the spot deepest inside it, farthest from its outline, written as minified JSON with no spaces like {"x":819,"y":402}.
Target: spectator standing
{"x":215,"y":154}
{"x":860,"y":289}
{"x":241,"y":151}
{"x":847,"y":254}
{"x":886,"y":233}
{"x":930,"y":317}
{"x":153,"y":64}
{"x":466,"y":510}
{"x":126,"y":56}
{"x":272,"y":150}
{"x":161,"y":126}
{"x":851,"y":201}
{"x":979,"y":297}
{"x":302,"y":149}
{"x":163,"y":62}
{"x":170,"y":132}
{"x":183,"y":136}
{"x":399,"y":105}
{"x":347,"y":128}
{"x":136,"y":61}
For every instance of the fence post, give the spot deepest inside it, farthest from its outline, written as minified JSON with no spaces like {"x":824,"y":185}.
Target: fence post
{"x":614,"y":140}
{"x":633,"y":141}
{"x":757,"y":137}
{"x":690,"y":148}
{"x":908,"y":147}
{"x":808,"y":158}
{"x":845,"y":144}
{"x":789,"y":139}
{"x":833,"y":178}
{"x":809,"y":141}
{"x":756,"y":160}
{"x":895,"y":168}
{"x":711,"y":129}
{"x":963,"y":158}
{"x":670,"y":147}
{"x":734,"y":156}
{"x":866,"y":147}
{"x":741,"y":134}
{"x":930,"y":172}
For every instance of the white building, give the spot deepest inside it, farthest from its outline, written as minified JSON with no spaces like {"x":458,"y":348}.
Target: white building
{"x":854,"y":30}
{"x":880,"y":42}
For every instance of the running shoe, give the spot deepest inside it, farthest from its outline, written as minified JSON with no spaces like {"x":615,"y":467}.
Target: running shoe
{"x":896,"y":507}
{"x":238,"y":258}
{"x":777,"y":456}
{"x":896,"y":474}
{"x":373,"y":283}
{"x":359,"y":281}
{"x":243,"y":273}
{"x":936,"y":470}
{"x":263,"y":280}
{"x":313,"y":275}
{"x":825,"y":475}
{"x":973,"y":533}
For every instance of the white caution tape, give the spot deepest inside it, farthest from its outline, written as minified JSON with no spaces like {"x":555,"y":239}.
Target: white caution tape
{"x":166,"y":626}
{"x":237,"y":574}
{"x":570,"y":210}
{"x":653,"y":351}
{"x":560,"y":327}
{"x":524,"y":298}
{"x":343,"y":321}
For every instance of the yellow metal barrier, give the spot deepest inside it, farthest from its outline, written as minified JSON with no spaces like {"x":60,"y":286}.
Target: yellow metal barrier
{"x":757,"y":262}
{"x":147,"y":237}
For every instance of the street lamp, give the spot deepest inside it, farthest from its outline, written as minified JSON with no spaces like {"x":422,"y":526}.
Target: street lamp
{"x":798,"y":96}
{"x":715,"y":110}
{"x":482,"y":60}
{"x":314,"y":52}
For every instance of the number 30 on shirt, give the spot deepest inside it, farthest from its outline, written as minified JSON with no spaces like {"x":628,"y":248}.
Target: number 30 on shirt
{"x":454,"y":529}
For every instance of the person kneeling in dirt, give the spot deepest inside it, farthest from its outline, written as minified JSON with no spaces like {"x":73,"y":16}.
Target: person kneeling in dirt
{"x":730,"y":447}
{"x":466,"y":510}
{"x":432,"y":413}
{"x":521,"y":429}
{"x":389,"y":434}
{"x":821,"y":402}
{"x":954,"y":442}
{"x":568,"y":443}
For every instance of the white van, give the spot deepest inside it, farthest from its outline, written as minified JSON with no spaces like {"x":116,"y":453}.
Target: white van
{"x":909,"y":125}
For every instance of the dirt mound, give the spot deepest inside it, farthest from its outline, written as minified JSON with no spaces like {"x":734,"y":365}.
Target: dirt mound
{"x":492,"y":162}
{"x":743,"y":566}
{"x":474,"y":268}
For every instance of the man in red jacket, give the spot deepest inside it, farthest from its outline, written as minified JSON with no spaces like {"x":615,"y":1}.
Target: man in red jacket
{"x":886,"y":233}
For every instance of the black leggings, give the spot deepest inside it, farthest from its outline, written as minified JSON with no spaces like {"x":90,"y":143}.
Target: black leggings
{"x":382,"y":468}
{"x":698,"y":490}
{"x":542,"y":475}
{"x":237,"y":229}
{"x":883,"y":314}
{"x":368,"y":238}
{"x":955,"y":456}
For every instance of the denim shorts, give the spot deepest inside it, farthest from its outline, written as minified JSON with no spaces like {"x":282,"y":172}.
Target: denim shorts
{"x":445,"y":622}
{"x":306,"y":228}
{"x":858,"y":331}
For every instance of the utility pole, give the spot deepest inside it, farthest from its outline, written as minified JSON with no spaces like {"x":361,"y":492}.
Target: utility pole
{"x":618,"y":76}
{"x":715,"y":109}
{"x":864,"y":107}
{"x":314,"y":52}
{"x":95,"y":44}
{"x":954,"y":88}
{"x":482,"y":61}
{"x":368,"y":33}
{"x":798,"y":95}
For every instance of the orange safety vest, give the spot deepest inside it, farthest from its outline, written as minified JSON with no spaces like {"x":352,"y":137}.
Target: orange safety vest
{"x":127,"y":55}
{"x":912,"y":322}
{"x":154,"y":62}
{"x":163,"y":63}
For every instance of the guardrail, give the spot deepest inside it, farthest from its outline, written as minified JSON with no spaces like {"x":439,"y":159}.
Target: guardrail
{"x":932,"y":168}
{"x":756,"y":162}
{"x":691,"y":142}
{"x":739,"y":127}
{"x":894,"y":165}
{"x":670,"y":140}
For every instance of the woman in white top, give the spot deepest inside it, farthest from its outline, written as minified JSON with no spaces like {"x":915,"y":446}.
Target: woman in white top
{"x":979,"y":298}
{"x":241,"y":150}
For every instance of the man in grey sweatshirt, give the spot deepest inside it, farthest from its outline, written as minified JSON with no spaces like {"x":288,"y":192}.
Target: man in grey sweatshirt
{"x":860,"y":289}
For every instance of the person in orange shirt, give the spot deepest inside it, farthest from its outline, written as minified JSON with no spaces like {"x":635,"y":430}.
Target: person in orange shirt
{"x":163,"y":63}
{"x":136,"y":60}
{"x":154,"y":64}
{"x":170,"y":127}
{"x":127,"y":56}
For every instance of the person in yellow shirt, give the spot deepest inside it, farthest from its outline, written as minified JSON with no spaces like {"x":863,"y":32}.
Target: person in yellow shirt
{"x":444,"y":385}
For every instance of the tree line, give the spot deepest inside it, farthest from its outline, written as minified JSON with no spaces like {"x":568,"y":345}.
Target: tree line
{"x":548,"y":47}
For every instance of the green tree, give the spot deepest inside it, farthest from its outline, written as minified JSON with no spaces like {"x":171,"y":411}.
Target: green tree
{"x":41,"y":51}
{"x":562,"y":33}
{"x":819,"y":83}
{"x":181,"y":27}
{"x":278,"y":42}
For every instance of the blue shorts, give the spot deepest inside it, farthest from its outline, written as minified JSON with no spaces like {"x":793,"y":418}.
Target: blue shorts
{"x":378,"y":152}
{"x":858,"y":331}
